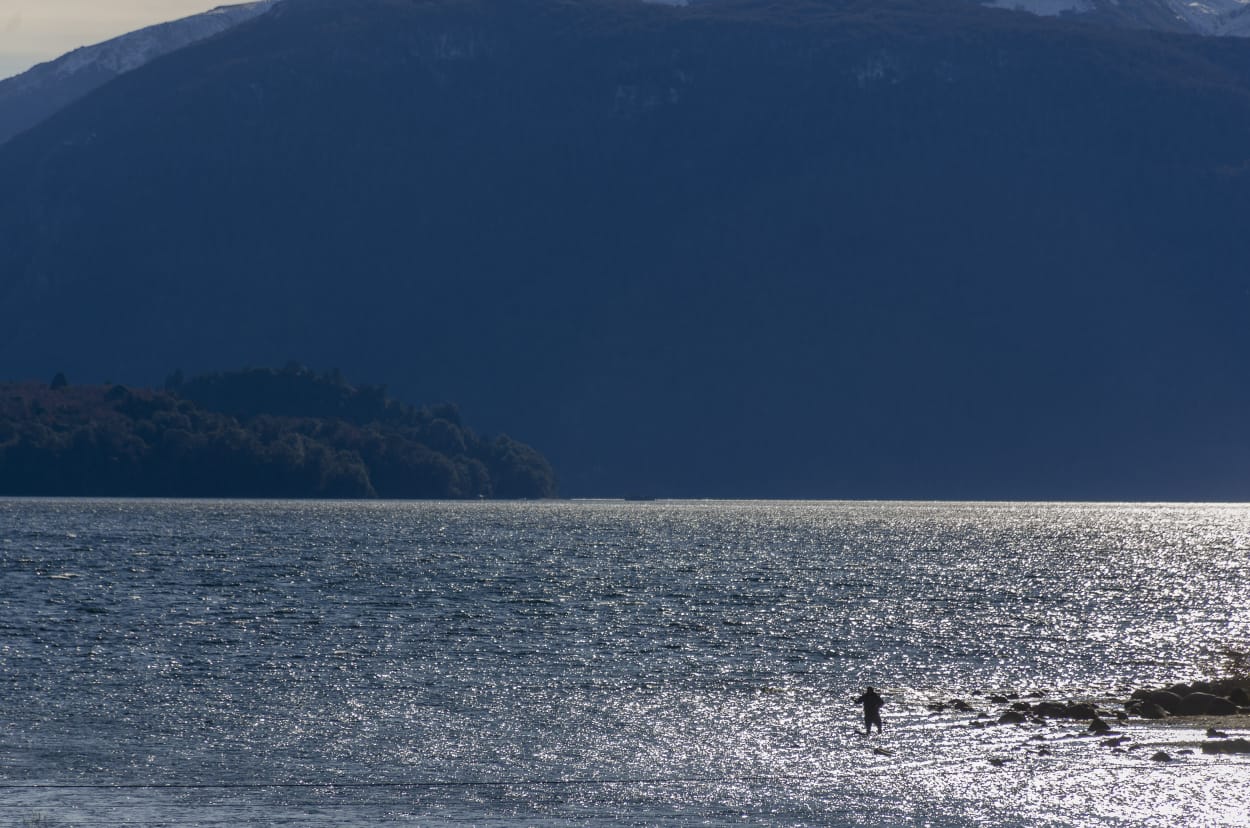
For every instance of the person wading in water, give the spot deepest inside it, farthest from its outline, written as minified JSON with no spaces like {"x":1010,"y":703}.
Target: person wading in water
{"x":872,"y":710}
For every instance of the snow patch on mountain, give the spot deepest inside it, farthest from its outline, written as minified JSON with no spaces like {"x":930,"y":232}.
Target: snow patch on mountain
{"x":1206,"y":17}
{"x":1216,"y":17}
{"x":130,"y":51}
{"x":29,"y":98}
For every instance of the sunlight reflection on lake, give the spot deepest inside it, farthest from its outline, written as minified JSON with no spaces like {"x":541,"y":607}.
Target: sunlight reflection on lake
{"x":570,"y":663}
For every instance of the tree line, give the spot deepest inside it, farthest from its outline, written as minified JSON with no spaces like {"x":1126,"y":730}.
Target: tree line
{"x":289,"y":433}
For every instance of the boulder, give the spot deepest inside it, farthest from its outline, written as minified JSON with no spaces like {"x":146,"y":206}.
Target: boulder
{"x":1161,"y":756}
{"x":1011,"y":717}
{"x":1166,"y":699}
{"x":1239,"y":697}
{"x":1212,"y":733}
{"x":1227,"y":746}
{"x":998,"y":699}
{"x":1054,"y":710}
{"x":1099,"y":726}
{"x":1205,"y":704}
{"x":1179,"y":689}
{"x":1081,"y":710}
{"x":1023,"y":707}
{"x":1147,"y":710}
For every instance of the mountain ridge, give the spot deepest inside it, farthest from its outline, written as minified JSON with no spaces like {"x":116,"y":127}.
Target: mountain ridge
{"x":30,"y":97}
{"x":33,"y":95}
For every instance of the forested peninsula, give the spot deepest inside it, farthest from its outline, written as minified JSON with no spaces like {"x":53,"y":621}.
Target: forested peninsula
{"x":290,"y":433}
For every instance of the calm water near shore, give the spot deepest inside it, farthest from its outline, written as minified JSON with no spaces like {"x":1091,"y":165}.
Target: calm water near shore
{"x":569,"y":663}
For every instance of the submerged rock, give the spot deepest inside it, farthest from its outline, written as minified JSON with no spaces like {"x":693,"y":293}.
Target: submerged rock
{"x":1011,"y":717}
{"x":1099,"y":726}
{"x":1161,"y":756}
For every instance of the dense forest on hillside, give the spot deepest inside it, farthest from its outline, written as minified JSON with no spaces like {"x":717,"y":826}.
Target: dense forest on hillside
{"x":253,"y":433}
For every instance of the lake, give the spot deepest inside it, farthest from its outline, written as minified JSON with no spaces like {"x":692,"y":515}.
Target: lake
{"x":228,"y":663}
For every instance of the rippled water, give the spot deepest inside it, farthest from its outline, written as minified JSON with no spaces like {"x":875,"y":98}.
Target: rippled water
{"x":301,"y":664}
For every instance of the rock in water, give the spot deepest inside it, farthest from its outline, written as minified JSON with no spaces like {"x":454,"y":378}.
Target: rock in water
{"x":1206,"y":704}
{"x":1166,"y":699}
{"x":1147,"y":710}
{"x":1082,"y":711}
{"x":1229,"y":746}
{"x":1098,"y":725}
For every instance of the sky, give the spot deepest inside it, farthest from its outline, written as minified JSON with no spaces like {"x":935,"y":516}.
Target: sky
{"x":33,"y":31}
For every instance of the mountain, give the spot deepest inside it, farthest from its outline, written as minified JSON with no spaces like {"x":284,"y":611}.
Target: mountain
{"x":28,"y":98}
{"x":1205,"y":17}
{"x":826,"y":248}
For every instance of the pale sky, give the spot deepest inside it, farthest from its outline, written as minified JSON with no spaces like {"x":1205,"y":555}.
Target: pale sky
{"x":32,"y":31}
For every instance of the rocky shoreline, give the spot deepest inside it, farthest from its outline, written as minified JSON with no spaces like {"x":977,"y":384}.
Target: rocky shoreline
{"x":1200,"y":704}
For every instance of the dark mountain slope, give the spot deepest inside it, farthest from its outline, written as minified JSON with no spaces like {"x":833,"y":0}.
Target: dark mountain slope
{"x":744,"y":248}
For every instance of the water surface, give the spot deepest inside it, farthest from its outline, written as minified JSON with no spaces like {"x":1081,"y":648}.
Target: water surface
{"x":295,"y":663}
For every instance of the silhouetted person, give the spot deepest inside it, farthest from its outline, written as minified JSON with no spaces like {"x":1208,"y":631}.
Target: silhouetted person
{"x":872,"y":710}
